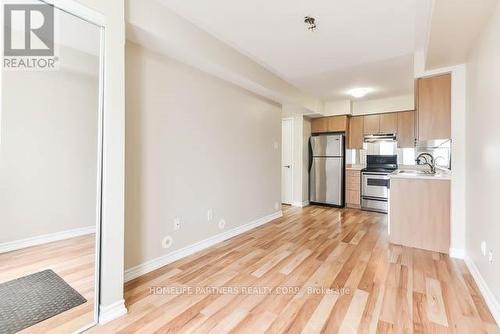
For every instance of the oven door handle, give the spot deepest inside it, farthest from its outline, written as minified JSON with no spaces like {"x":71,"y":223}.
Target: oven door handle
{"x":371,"y":198}
{"x":377,"y":174}
{"x":375,"y":185}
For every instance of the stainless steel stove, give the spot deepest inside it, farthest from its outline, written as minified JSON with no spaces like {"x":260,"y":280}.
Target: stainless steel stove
{"x":375,"y":182}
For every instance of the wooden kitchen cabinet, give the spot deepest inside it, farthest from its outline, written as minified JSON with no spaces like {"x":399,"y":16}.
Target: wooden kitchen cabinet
{"x":330,"y":124}
{"x":434,"y":107}
{"x":371,"y":124}
{"x":406,"y":129}
{"x":318,"y":125}
{"x":381,"y":124}
{"x":356,"y":137}
{"x":337,"y":124}
{"x":420,"y":213}
{"x":353,"y":189}
{"x":388,"y":123}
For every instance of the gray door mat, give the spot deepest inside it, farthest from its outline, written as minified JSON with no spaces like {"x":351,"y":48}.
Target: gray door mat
{"x":28,"y":300}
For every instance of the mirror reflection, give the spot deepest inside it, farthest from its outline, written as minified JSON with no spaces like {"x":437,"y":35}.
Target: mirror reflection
{"x":50,"y":184}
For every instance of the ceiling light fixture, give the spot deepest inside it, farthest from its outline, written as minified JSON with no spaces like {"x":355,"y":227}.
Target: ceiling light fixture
{"x":359,"y":92}
{"x":311,"y":22}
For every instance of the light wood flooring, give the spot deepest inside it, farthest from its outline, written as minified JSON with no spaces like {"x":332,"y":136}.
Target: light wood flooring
{"x":73,"y":260}
{"x":390,"y":289}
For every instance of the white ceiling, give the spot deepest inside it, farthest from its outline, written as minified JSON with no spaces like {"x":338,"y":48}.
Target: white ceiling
{"x":357,"y":42}
{"x":454,"y":28}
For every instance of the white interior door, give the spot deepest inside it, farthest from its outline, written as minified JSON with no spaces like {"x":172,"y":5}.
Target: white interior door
{"x":287,"y":161}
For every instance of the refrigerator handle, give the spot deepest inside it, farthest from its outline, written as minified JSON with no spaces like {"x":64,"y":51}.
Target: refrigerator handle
{"x":310,"y":155}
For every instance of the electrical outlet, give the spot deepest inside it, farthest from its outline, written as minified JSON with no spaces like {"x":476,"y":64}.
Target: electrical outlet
{"x":222,"y":224}
{"x":490,"y":256}
{"x":276,"y":206}
{"x":167,"y":242}
{"x":210,"y":215}
{"x":483,"y":248}
{"x":177,"y":224}
{"x":276,"y":145}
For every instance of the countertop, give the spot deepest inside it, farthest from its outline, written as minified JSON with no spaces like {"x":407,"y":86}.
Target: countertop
{"x":441,"y":174}
{"x":354,"y":167}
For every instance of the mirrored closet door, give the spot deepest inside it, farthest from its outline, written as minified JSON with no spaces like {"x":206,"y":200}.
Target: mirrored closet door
{"x":50,"y":169}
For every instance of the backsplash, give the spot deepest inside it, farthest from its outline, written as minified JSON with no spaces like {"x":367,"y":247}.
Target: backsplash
{"x":440,"y":150}
{"x":406,"y":156}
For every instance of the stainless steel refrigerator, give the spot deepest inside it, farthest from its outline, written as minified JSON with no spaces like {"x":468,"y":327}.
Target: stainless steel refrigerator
{"x":326,"y":169}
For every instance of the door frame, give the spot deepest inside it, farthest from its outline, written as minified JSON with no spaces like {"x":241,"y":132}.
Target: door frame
{"x":292,"y":168}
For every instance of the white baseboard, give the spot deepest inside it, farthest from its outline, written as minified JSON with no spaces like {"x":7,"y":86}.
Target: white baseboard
{"x":46,"y":238}
{"x":111,"y":312}
{"x":457,"y":253}
{"x":300,"y":204}
{"x":161,"y":261}
{"x":488,"y":295}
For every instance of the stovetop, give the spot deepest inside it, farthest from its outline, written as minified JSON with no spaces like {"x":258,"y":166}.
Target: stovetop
{"x":381,"y":163}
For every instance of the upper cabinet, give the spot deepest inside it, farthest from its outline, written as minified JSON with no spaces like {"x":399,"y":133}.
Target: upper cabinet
{"x":318,"y":125}
{"x":337,"y":124}
{"x":433,"y":107}
{"x":406,"y":129}
{"x":330,"y":124}
{"x":356,"y":137}
{"x":400,"y":123}
{"x":388,"y":123}
{"x":371,"y":124}
{"x":380,"y":124}
{"x":431,"y":120}
{"x":356,"y":127}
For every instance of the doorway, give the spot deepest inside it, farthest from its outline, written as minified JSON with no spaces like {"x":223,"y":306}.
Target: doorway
{"x":287,"y":161}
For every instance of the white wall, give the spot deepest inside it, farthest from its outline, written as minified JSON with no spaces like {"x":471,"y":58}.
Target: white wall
{"x":194,"y":143}
{"x":390,"y":104}
{"x":373,"y":106}
{"x":333,"y":108}
{"x":483,"y":155}
{"x":302,"y":133}
{"x":48,"y":165}
{"x":154,"y":25}
{"x":306,"y":134}
{"x":458,"y":160}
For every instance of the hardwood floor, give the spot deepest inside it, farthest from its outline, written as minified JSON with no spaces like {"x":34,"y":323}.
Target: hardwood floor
{"x":341,"y":273}
{"x":73,"y":260}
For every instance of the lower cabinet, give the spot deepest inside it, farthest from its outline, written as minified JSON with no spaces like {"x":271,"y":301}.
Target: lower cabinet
{"x":353,"y":189}
{"x":419,"y":214}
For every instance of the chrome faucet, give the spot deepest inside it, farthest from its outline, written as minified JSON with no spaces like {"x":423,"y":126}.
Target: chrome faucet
{"x":431,"y":163}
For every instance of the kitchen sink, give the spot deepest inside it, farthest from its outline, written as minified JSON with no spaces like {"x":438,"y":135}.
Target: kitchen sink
{"x":416,"y":172}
